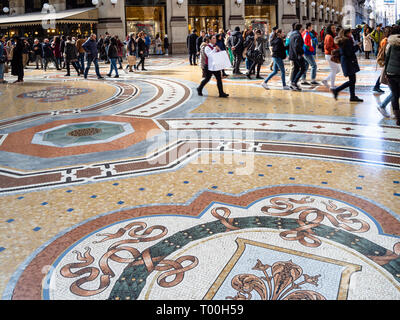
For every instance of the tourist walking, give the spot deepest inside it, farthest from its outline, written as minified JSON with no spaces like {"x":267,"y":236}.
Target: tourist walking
{"x":141,"y":47}
{"x":310,"y":50}
{"x":236,"y":45}
{"x":3,"y":58}
{"x":166,"y":44}
{"x":331,"y":47}
{"x":48,"y":55}
{"x":278,"y":50}
{"x":17,"y":66}
{"x":210,"y":50}
{"x":90,"y":46}
{"x":38,"y":53}
{"x":113,"y":56}
{"x":203,"y":57}
{"x":131,"y":52}
{"x":381,"y":60}
{"x":377,"y":36}
{"x":221,"y":45}
{"x":296,"y":54}
{"x":367,"y":42}
{"x":199,"y":41}
{"x":56,"y":46}
{"x":348,"y":60}
{"x":191,"y":44}
{"x":71,"y":56}
{"x":158,"y":44}
{"x":256,"y":54}
{"x":81,"y":53}
{"x":392,"y":70}
{"x":120,"y":47}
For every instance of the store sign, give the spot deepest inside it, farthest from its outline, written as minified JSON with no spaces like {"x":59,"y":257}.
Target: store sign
{"x":389,"y":2}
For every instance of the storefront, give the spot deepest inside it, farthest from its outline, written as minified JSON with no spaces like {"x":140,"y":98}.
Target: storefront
{"x":148,"y":16}
{"x":42,"y":25}
{"x":206,"y":15}
{"x":261,"y":14}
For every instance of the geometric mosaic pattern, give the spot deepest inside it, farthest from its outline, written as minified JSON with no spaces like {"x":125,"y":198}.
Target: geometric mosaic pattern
{"x":156,"y":193}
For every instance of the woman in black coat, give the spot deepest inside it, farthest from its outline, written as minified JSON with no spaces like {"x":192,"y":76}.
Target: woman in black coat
{"x":141,"y":45}
{"x":348,"y":60}
{"x":71,"y":56}
{"x":17,"y":66}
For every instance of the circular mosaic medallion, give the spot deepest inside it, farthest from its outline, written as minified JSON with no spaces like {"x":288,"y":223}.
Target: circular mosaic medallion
{"x":326,"y":242}
{"x":54,"y":94}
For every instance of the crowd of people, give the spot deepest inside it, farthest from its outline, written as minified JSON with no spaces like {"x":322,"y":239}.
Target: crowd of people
{"x":64,"y":51}
{"x":339,"y":46}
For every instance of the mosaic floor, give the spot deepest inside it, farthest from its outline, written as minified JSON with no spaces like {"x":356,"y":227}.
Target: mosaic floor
{"x":137,"y":188}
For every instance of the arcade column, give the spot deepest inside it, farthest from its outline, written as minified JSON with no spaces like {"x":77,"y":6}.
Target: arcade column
{"x":234,"y":14}
{"x":287,"y":14}
{"x":112,"y":19}
{"x":177,"y":21}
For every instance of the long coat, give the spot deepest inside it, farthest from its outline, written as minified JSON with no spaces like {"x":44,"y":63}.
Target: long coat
{"x":17,"y":67}
{"x":367,"y":43}
{"x":191,"y":43}
{"x":348,"y":58}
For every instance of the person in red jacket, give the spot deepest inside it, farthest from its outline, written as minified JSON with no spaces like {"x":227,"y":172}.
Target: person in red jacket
{"x":329,"y":46}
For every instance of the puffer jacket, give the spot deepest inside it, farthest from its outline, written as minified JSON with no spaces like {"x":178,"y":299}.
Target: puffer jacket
{"x":392,"y":61}
{"x":70,"y":51}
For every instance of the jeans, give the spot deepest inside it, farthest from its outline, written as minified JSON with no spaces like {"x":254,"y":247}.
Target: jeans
{"x":394,"y":85}
{"x":278,"y":65}
{"x":81,"y":60}
{"x":351,"y":84}
{"x":386,"y":101}
{"x":207,"y":78}
{"x":1,"y":71}
{"x":96,"y":66}
{"x":310,"y":61}
{"x":298,"y":70}
{"x":113,"y":66}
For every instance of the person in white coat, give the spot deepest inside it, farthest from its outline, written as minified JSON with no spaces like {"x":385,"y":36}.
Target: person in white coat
{"x":210,"y":50}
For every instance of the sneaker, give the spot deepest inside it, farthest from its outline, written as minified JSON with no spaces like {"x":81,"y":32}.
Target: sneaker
{"x":314,"y":83}
{"x":325,"y":83}
{"x":224,"y":95}
{"x":108,"y":74}
{"x":378,"y":90}
{"x":100,"y":77}
{"x":294,"y":87}
{"x":265,"y":86}
{"x":286,"y":88}
{"x":383,"y":112}
{"x":305,"y":83}
{"x":117,"y":76}
{"x":356,"y":99}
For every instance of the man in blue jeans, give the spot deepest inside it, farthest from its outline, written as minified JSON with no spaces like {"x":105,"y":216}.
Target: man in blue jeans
{"x":310,"y":50}
{"x":90,"y":47}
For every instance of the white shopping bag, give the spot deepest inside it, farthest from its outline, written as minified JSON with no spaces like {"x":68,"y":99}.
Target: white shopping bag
{"x":219,"y":61}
